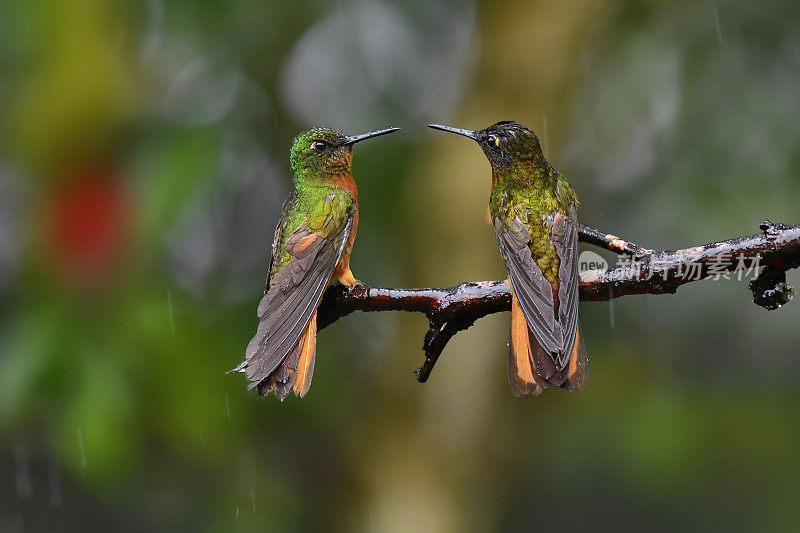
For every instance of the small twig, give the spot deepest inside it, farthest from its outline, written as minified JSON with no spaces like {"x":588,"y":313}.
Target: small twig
{"x":610,"y":242}
{"x":453,"y":309}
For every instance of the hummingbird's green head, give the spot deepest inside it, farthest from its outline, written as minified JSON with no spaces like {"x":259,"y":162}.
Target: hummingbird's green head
{"x":508,"y":145}
{"x":321,"y":153}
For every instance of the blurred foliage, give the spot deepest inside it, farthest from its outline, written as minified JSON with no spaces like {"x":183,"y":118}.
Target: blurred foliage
{"x":143,"y":162}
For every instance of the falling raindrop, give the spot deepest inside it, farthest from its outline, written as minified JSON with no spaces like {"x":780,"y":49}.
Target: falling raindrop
{"x":83,"y":451}
{"x":202,"y":439}
{"x":54,"y":483}
{"x":23,"y":483}
{"x":611,"y":307}
{"x":171,"y":314}
{"x":237,"y":511}
{"x":227,"y":405}
{"x":253,"y":498}
{"x":716,"y":23}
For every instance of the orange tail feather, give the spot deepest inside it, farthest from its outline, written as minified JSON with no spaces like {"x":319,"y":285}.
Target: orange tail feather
{"x":522,"y":377}
{"x":305,"y":364}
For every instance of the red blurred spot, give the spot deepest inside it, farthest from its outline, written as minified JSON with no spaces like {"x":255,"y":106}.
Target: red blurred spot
{"x":87,"y":225}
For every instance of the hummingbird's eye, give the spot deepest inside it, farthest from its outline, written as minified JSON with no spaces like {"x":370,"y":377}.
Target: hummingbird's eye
{"x":320,"y":146}
{"x":493,"y":140}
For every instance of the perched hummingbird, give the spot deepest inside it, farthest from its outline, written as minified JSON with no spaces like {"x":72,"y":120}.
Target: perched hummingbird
{"x":533,"y":208}
{"x":311,"y":250}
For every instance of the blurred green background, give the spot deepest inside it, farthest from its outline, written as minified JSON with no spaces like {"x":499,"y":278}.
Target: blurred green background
{"x":143,"y":162}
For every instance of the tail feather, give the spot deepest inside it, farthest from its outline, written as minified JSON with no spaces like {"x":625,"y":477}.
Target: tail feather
{"x":531,"y":368}
{"x":522,"y":377}
{"x":283,"y":387}
{"x":282,"y":373}
{"x":307,"y":354}
{"x":266,"y":386}
{"x":542,"y":360}
{"x":578,"y":362}
{"x":295,"y":372}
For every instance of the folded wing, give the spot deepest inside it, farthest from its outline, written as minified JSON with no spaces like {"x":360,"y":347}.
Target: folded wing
{"x":290,"y":302}
{"x":550,"y":310}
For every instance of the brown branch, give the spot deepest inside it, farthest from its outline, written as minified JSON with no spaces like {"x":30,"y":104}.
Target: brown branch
{"x":453,"y":309}
{"x":610,"y":242}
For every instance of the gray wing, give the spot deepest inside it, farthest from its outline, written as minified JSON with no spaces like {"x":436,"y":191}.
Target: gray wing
{"x":533,"y":291}
{"x":292,"y":297}
{"x":552,"y":318}
{"x":565,"y":238}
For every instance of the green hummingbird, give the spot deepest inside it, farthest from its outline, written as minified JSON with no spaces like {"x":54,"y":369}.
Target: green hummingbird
{"x":311,"y":250}
{"x":533,"y":209}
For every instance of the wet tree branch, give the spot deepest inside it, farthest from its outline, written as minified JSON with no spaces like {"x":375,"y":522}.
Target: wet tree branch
{"x":453,"y":309}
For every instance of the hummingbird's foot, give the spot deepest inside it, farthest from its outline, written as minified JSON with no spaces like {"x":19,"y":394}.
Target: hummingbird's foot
{"x":348,"y":280}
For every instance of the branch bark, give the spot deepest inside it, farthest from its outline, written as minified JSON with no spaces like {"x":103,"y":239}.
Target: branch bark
{"x":453,"y":309}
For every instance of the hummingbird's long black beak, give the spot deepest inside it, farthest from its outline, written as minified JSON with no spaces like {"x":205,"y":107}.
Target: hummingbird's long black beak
{"x":364,"y":136}
{"x":466,"y":133}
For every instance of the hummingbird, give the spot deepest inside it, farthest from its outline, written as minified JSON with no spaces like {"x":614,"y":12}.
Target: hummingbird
{"x":311,"y":250}
{"x":534,"y":212}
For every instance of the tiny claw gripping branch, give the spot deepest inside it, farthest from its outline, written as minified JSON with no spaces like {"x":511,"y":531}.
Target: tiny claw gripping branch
{"x":453,"y":309}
